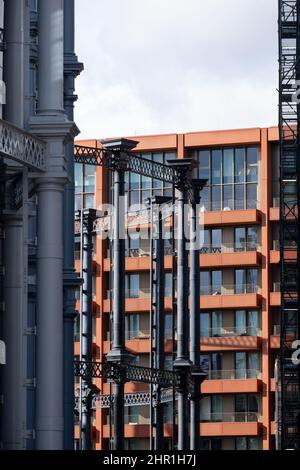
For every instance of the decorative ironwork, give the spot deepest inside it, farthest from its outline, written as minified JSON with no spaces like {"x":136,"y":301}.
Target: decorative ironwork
{"x":132,"y":162}
{"x":22,"y":147}
{"x":287,"y":424}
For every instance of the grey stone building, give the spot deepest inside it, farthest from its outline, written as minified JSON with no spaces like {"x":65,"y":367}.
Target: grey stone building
{"x":38,"y":67}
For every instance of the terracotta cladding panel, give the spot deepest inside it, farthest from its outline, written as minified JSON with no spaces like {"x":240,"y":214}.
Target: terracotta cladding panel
{"x":230,"y":259}
{"x":230,"y":429}
{"x":231,"y":386}
{"x":242,"y":343}
{"x":225,"y":137}
{"x":247,"y":217}
{"x":233,"y":301}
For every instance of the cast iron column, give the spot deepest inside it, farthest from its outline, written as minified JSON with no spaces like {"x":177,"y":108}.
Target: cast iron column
{"x":182,"y":363}
{"x":72,"y":68}
{"x":52,"y":125}
{"x":159,"y":315}
{"x":118,"y":353}
{"x":86,"y":340}
{"x":195,"y":313}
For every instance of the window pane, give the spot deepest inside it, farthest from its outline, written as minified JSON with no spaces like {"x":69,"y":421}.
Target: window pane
{"x":239,"y":165}
{"x":89,"y":178}
{"x":204,"y":283}
{"x":89,"y":201}
{"x":134,"y":197}
{"x":168,"y":284}
{"x":239,"y":238}
{"x":134,"y":181}
{"x":216,"y":407}
{"x":206,"y":241}
{"x":240,"y":365}
{"x":205,"y":199}
{"x":228,"y":197}
{"x":158,"y":157}
{"x":78,"y":202}
{"x":216,"y":157}
{"x":253,"y":364}
{"x":204,"y":362}
{"x":253,"y":443}
{"x":216,"y":323}
{"x":252,"y":280}
{"x":239,"y":196}
{"x":216,"y":361}
{"x":228,"y":166}
{"x":240,"y":281}
{"x":251,"y":196}
{"x":240,"y":403}
{"x":146,"y":182}
{"x":252,"y":164}
{"x":253,"y":403}
{"x":205,"y":325}
{"x":241,"y":443}
{"x":204,"y":164}
{"x":216,"y":281}
{"x":216,"y":198}
{"x":216,"y":240}
{"x":253,"y":322}
{"x":252,"y":238}
{"x":168,"y":326}
{"x":240,"y":322}
{"x":78,"y":178}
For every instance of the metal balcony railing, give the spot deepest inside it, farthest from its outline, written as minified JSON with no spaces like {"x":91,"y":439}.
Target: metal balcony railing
{"x":229,"y":289}
{"x":230,"y":248}
{"x":234,"y":374}
{"x":139,"y":294}
{"x":235,"y":417}
{"x":229,"y":332}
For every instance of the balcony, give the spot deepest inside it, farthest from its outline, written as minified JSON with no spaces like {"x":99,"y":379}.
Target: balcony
{"x":139,"y":341}
{"x":230,"y":339}
{"x":230,"y":296}
{"x":245,"y":254}
{"x":232,"y":381}
{"x":234,"y":417}
{"x":231,"y":424}
{"x":231,"y":217}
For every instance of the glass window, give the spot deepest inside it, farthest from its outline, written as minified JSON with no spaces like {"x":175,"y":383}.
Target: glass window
{"x":168,"y":362}
{"x":239,"y":197}
{"x":89,"y":201}
{"x":254,"y":443}
{"x":252,"y":322}
{"x":228,"y":166}
{"x":204,"y":283}
{"x":132,"y":326}
{"x":239,"y":165}
{"x":78,"y":178}
{"x":78,"y":202}
{"x":168,"y":284}
{"x":132,"y":283}
{"x":228,"y":197}
{"x":204,"y":164}
{"x":204,"y":325}
{"x":251,"y":196}
{"x":216,"y":198}
{"x":134,"y":181}
{"x":239,"y":238}
{"x":168,"y":326}
{"x":134,"y":197}
{"x":241,"y":443}
{"x":216,"y":282}
{"x":216,"y":240}
{"x":89,"y":178}
{"x":253,"y":365}
{"x":216,"y":407}
{"x":206,"y":241}
{"x":216,"y":323}
{"x":204,"y":362}
{"x":240,"y":281}
{"x":240,"y":365}
{"x":205,"y":199}
{"x":216,"y":163}
{"x":252,"y":280}
{"x":252,"y":164}
{"x":252,"y":238}
{"x":240,"y":322}
{"x":216,"y":444}
{"x":216,"y":361}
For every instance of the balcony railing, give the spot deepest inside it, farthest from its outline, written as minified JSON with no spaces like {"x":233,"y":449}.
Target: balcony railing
{"x":229,"y":248}
{"x":229,"y":332}
{"x":139,"y":294}
{"x":235,"y":417}
{"x":276,"y":286}
{"x":276,"y":201}
{"x":234,"y":374}
{"x":144,"y":252}
{"x":229,"y":289}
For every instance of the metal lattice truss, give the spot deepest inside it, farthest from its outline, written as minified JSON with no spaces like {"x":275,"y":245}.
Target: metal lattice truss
{"x":131,"y":399}
{"x":22,"y":147}
{"x":126,"y":373}
{"x":133,"y":219}
{"x":131,"y":162}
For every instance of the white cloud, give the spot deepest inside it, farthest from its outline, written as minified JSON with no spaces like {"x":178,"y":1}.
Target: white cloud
{"x":156,"y":66}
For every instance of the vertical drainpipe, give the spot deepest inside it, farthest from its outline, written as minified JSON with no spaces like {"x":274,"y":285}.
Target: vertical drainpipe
{"x":72,"y":68}
{"x":14,"y":387}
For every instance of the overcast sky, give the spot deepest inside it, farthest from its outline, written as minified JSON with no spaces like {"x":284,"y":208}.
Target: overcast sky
{"x":159,"y":66}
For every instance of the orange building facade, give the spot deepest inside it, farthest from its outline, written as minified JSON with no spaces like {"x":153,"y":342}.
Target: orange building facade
{"x":240,"y":286}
